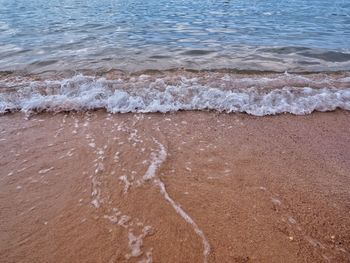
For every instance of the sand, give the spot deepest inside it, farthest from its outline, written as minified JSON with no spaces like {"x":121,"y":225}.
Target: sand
{"x":181,"y":187}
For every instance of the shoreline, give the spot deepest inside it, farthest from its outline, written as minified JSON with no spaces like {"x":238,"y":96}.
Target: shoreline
{"x":258,"y":95}
{"x":87,"y":186}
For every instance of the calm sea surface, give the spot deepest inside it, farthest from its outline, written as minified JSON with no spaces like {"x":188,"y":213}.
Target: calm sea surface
{"x":295,"y":35}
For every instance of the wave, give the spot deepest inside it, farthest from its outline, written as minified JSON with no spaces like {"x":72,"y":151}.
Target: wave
{"x":255,"y":95}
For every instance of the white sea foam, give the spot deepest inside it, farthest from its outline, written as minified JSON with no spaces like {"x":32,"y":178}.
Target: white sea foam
{"x":126,"y":182}
{"x":256,"y":95}
{"x":157,"y":160}
{"x":96,"y":191}
{"x":136,"y":242}
{"x":44,"y":171}
{"x":188,"y":219}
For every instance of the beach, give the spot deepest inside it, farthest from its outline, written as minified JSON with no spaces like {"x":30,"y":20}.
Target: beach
{"x":174,"y":131}
{"x":187,"y":186}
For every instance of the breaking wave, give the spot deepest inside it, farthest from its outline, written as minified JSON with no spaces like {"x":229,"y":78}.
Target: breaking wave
{"x":255,"y":95}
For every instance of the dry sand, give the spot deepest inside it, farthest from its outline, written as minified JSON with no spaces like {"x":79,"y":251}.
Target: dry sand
{"x":182,"y":187}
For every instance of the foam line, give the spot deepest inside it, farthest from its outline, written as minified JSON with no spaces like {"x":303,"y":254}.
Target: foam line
{"x":157,"y":160}
{"x":256,"y":96}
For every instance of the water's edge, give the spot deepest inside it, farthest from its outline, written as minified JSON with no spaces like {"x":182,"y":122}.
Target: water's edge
{"x":257,"y":94}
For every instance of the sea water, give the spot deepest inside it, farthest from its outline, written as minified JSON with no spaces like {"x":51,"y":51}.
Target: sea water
{"x":72,"y":44}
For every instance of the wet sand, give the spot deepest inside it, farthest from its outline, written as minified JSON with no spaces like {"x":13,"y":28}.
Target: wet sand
{"x":181,"y":187}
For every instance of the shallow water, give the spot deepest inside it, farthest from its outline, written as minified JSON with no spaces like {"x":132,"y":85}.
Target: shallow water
{"x":132,"y":187}
{"x":39,"y":36}
{"x":116,"y":55}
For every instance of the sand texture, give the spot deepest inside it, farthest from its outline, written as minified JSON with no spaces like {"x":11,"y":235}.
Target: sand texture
{"x":181,"y":187}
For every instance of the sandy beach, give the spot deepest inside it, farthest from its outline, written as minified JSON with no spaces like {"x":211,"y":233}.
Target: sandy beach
{"x":174,"y":131}
{"x":177,"y":187}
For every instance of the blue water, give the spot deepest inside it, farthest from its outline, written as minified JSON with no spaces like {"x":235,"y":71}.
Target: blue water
{"x":51,"y":35}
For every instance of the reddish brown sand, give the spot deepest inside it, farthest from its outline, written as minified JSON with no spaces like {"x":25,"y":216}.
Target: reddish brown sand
{"x":261,"y":189}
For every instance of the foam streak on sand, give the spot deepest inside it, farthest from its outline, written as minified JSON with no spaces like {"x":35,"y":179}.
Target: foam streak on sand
{"x":157,"y":160}
{"x":189,"y":159}
{"x":114,"y":215}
